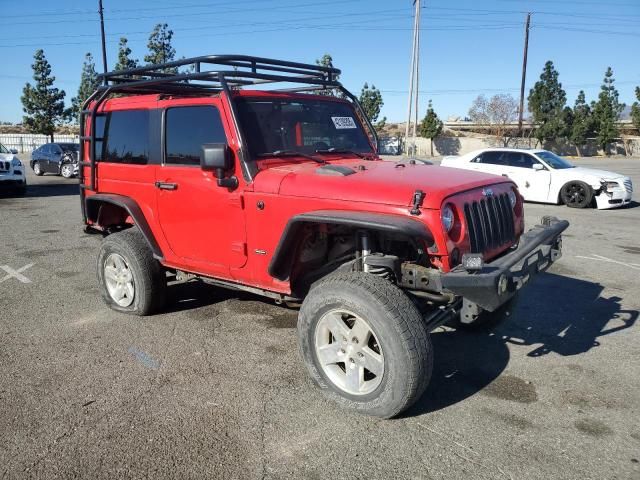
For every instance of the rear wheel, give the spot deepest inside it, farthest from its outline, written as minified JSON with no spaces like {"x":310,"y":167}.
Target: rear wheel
{"x":37,"y":169}
{"x":365,"y":343}
{"x":576,"y":195}
{"x":131,"y":280}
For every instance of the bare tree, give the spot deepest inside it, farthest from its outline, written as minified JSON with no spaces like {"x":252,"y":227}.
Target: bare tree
{"x":496,"y":113}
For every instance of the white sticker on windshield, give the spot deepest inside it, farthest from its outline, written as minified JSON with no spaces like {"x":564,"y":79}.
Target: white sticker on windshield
{"x":343,"y":122}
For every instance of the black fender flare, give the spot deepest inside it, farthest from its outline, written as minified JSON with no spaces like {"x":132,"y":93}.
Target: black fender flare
{"x":280,"y":264}
{"x":92,"y":209}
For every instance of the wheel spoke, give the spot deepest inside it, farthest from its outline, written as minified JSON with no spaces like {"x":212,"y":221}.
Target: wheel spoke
{"x":118,"y":293}
{"x":110,"y":273}
{"x":355,"y":377}
{"x":361,"y":331}
{"x":372,"y":361}
{"x":128,"y":288}
{"x":119,"y":264}
{"x":330,"y":354}
{"x":336,"y":326}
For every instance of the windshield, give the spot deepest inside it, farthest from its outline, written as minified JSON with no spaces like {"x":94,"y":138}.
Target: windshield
{"x":3,"y":149}
{"x":553,"y":160}
{"x":306,"y":126}
{"x":70,"y":147}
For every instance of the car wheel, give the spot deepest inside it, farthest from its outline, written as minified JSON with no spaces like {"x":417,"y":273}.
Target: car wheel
{"x":66,"y":170}
{"x":576,"y":195}
{"x":37,"y":169}
{"x":130,"y":279}
{"x":365,"y":343}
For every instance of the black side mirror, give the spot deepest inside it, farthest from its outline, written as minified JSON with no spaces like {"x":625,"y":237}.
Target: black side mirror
{"x":216,"y":157}
{"x":14,"y":151}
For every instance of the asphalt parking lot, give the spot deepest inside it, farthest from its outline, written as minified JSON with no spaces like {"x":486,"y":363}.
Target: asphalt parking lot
{"x":214,"y":387}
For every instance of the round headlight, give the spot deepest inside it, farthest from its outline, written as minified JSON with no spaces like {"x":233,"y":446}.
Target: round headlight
{"x":447,"y":218}
{"x":16,"y":162}
{"x":513,"y":198}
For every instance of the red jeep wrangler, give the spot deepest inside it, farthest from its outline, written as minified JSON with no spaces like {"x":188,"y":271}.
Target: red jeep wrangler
{"x":282,"y":193}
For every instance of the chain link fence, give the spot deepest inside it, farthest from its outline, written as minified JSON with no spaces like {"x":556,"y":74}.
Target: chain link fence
{"x":27,"y":143}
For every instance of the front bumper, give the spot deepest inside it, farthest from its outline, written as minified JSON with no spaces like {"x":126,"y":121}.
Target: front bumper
{"x":500,"y":279}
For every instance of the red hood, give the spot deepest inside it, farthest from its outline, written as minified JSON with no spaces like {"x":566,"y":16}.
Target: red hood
{"x":381,"y":182}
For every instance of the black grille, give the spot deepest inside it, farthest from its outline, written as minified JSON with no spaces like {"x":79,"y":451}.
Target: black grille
{"x":489,"y":222}
{"x":4,"y":165}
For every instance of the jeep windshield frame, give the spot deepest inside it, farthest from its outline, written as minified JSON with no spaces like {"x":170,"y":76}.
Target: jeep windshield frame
{"x":314,"y":125}
{"x":211,"y":75}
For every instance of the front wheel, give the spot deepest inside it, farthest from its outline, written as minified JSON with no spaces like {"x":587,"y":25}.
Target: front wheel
{"x":66,"y":170}
{"x":365,"y":343}
{"x":576,"y":195}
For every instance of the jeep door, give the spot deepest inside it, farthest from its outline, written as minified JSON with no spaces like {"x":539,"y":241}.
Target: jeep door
{"x":204,"y":224}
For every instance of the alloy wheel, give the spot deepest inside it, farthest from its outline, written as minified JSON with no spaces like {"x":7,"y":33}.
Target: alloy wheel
{"x":349,"y":352}
{"x":119,"y":280}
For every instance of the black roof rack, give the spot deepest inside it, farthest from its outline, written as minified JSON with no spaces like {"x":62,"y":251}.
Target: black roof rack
{"x":208,"y":74}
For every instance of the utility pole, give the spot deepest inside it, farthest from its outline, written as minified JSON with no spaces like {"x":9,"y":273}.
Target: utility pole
{"x":524,"y":72}
{"x":412,"y":102}
{"x":104,"y":48}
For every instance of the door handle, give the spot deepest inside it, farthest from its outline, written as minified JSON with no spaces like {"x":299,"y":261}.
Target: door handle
{"x":167,"y":186}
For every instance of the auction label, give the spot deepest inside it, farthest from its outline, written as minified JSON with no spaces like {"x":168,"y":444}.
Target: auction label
{"x":343,"y":122}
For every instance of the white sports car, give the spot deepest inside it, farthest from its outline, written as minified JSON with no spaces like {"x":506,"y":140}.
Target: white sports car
{"x":543,"y":176}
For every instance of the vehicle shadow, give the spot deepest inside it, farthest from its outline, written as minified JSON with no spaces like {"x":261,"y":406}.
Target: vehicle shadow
{"x":44,"y":190}
{"x":558,"y":314}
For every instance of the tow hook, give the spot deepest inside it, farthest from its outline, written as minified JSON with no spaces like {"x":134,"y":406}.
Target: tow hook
{"x":418,"y":197}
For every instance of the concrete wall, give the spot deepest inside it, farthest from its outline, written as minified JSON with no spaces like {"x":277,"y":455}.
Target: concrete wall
{"x":461,"y":145}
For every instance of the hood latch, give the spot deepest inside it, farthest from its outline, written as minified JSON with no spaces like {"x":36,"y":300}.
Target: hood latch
{"x":418,"y":197}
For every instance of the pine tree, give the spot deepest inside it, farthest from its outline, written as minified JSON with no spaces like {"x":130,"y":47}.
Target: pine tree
{"x":327,"y":61}
{"x":88,"y":84}
{"x":160,"y":49}
{"x":43,"y":104}
{"x":371,"y":102}
{"x":635,"y":110}
{"x":606,"y":112}
{"x":582,"y":122}
{"x":546,"y":102}
{"x":125,"y":62}
{"x":431,"y":125}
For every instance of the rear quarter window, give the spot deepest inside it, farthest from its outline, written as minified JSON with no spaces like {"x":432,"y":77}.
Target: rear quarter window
{"x":125,"y":137}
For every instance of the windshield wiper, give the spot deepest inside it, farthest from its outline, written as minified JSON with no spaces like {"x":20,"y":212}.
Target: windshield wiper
{"x":341,"y":150}
{"x":290,"y":153}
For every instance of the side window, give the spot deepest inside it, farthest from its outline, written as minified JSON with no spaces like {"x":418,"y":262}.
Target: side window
{"x":520,"y":160}
{"x":55,"y":149}
{"x":126,"y":137}
{"x":492,"y":158}
{"x":44,"y":150}
{"x":186,"y":129}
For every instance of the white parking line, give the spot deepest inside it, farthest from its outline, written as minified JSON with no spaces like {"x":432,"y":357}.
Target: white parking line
{"x":11,"y":273}
{"x":593,"y":256}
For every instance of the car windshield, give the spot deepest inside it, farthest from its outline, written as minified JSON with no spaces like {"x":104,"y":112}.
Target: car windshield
{"x":3,"y":149}
{"x":70,"y":147}
{"x":553,"y":160}
{"x":300,"y":125}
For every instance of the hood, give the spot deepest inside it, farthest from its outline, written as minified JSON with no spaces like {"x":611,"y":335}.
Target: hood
{"x":592,"y":175}
{"x":6,"y":157}
{"x":379,"y":182}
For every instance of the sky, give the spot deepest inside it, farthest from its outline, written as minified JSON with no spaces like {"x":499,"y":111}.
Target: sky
{"x":468,"y":47}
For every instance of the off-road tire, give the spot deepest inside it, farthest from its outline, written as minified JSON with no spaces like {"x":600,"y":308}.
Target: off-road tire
{"x":37,"y":169}
{"x":490,"y":320}
{"x":396,"y":323}
{"x":149,"y":278}
{"x":576,"y":194}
